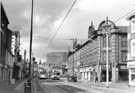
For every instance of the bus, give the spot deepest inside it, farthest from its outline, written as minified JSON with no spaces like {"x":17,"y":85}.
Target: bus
{"x":42,"y":75}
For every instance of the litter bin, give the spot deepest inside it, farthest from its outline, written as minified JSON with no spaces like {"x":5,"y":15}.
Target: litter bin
{"x":27,"y":87}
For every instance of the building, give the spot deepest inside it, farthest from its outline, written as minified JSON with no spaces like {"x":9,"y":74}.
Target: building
{"x":131,"y":49}
{"x":16,"y":52}
{"x":57,"y":60}
{"x":89,"y":58}
{"x":6,"y":57}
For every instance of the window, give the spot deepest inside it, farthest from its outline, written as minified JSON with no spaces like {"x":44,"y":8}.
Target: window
{"x":104,"y":41}
{"x":124,"y":41}
{"x":124,"y":56}
{"x":109,"y":56}
{"x":133,"y":26}
{"x":104,"y":56}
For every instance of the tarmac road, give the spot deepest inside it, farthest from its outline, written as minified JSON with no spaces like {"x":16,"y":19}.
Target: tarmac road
{"x":54,"y":86}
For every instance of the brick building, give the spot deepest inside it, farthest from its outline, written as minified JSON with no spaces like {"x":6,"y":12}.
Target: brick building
{"x":90,"y":57}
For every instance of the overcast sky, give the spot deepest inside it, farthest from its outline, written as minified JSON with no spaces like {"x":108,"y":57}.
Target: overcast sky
{"x":48,"y":15}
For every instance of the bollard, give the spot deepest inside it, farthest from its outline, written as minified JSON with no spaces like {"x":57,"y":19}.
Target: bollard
{"x":27,"y":87}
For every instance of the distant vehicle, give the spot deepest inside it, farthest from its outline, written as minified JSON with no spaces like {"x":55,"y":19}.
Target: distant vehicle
{"x":42,"y":76}
{"x":72,"y":78}
{"x":55,"y":75}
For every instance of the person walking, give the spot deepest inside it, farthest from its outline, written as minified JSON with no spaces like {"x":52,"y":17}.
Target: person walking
{"x":96,"y":78}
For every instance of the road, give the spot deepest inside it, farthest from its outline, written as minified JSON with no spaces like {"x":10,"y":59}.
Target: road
{"x":55,"y":86}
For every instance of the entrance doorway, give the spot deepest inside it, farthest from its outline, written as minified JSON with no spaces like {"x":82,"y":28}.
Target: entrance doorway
{"x":103,"y":76}
{"x":123,"y":75}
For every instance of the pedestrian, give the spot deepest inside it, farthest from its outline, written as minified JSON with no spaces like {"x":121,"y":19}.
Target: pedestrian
{"x":103,"y":78}
{"x":96,"y":79}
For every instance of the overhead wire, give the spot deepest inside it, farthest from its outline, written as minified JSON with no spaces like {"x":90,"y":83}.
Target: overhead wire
{"x":59,"y":28}
{"x":124,"y":16}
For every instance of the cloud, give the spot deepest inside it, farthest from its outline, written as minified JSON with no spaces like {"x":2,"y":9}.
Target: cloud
{"x":48,"y":15}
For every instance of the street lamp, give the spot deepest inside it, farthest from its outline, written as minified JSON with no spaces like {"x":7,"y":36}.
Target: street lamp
{"x":107,"y":27}
{"x":31,"y":34}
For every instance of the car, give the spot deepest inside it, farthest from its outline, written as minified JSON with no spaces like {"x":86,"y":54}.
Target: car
{"x":55,"y":77}
{"x":43,"y":76}
{"x":72,"y":78}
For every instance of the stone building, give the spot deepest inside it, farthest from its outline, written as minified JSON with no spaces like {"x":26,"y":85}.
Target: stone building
{"x":131,"y":49}
{"x":6,"y":57}
{"x":91,"y":54}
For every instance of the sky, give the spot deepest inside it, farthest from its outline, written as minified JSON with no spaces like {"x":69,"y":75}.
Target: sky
{"x":49,"y":14}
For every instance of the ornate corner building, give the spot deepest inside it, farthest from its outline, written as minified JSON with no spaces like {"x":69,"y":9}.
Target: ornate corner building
{"x":89,"y":58}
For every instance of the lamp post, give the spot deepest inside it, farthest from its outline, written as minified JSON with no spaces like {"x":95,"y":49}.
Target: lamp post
{"x":106,"y":30}
{"x":31,"y":33}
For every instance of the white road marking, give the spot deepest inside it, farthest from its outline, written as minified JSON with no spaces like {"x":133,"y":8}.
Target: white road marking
{"x":35,"y":87}
{"x":59,"y":88}
{"x":45,"y":83}
{"x":20,"y":86}
{"x":45,"y":90}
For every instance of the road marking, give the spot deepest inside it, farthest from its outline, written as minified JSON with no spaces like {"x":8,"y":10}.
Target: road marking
{"x":20,"y":86}
{"x":45,"y":90}
{"x":59,"y":88}
{"x":35,"y":87}
{"x":45,"y":83}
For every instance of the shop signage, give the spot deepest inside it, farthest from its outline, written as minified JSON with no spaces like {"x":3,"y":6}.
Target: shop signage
{"x":104,"y":66}
{"x":123,"y":67}
{"x":131,"y":64}
{"x":89,"y":69}
{"x":82,"y":70}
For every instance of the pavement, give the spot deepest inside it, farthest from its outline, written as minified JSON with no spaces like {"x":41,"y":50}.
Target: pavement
{"x":121,"y":87}
{"x":18,"y":87}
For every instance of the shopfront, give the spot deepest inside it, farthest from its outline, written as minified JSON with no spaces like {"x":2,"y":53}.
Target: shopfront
{"x":86,"y":73}
{"x":103,"y":75}
{"x":82,"y":71}
{"x":123,"y":73}
{"x":131,"y":67}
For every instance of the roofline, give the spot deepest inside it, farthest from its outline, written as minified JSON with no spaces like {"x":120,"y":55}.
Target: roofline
{"x":2,"y":10}
{"x":130,"y":16}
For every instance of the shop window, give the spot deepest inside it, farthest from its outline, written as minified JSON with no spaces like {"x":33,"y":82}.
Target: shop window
{"x":124,"y":56}
{"x":132,"y":75}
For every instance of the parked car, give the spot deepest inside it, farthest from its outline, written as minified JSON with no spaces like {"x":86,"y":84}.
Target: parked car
{"x":72,"y":78}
